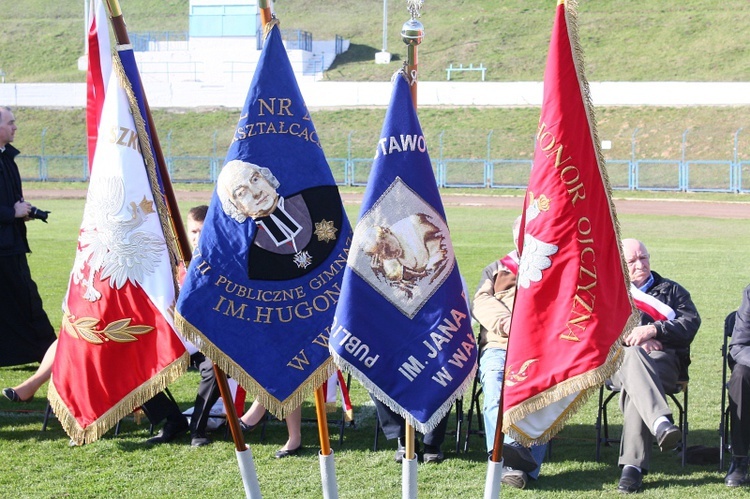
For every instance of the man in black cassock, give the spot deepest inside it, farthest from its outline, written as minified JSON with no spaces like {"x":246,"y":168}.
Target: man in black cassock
{"x":25,"y":329}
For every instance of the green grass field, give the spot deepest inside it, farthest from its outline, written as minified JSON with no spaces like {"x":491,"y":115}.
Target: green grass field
{"x":708,"y":256}
{"x":654,"y":40}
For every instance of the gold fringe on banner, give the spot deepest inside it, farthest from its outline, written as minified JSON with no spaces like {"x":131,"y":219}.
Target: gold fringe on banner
{"x":136,"y":398}
{"x":375,"y":390}
{"x":167,"y":227}
{"x":169,"y":374}
{"x":279,"y":408}
{"x":584,"y":384}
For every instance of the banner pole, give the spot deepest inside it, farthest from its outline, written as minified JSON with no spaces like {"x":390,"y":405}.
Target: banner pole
{"x":265,"y":12}
{"x":322,"y":418}
{"x":412,"y":33}
{"x":183,"y":244}
{"x":247,"y":468}
{"x":327,"y":467}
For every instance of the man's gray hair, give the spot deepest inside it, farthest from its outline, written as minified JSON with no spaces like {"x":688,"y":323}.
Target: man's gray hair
{"x":234,"y":173}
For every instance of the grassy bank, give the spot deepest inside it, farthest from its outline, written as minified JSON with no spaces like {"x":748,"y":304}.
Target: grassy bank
{"x":653,"y":40}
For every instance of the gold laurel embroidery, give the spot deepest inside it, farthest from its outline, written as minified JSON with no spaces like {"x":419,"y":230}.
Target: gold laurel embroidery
{"x":119,"y":331}
{"x":515,"y":377}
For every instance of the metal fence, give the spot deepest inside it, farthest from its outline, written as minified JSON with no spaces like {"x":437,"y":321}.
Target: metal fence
{"x":644,"y":174}
{"x":460,"y":159}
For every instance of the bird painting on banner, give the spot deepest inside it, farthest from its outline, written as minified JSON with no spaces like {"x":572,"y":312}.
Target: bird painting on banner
{"x":402,"y":326}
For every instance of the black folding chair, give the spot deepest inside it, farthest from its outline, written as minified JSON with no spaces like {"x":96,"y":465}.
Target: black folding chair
{"x":602,"y":424}
{"x":724,"y":441}
{"x":475,"y":407}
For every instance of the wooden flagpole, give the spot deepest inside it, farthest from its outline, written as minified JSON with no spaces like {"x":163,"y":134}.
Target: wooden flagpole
{"x":412,"y":33}
{"x":183,"y":243}
{"x":322,"y":418}
{"x":265,"y":12}
{"x":320,"y":400}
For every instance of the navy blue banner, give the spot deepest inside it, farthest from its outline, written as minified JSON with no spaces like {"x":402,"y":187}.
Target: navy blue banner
{"x":402,"y":325}
{"x":262,"y":287}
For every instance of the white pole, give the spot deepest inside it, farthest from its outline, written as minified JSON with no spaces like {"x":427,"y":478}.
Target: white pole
{"x":248,"y":474}
{"x":385,"y":25}
{"x":409,"y":478}
{"x":328,"y":476}
{"x":492,"y":481}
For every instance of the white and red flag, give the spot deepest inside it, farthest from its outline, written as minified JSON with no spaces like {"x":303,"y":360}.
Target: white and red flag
{"x":572,"y":303}
{"x":99,"y":58}
{"x":117,"y":346}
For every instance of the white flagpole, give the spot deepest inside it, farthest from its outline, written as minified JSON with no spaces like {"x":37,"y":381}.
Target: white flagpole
{"x":492,"y":482}
{"x":325,"y":456}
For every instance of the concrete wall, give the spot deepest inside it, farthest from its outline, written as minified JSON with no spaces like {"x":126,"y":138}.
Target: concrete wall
{"x":352,"y":94}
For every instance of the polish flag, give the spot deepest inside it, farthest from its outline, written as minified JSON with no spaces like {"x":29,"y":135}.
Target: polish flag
{"x":99,"y":56}
{"x":117,"y":346}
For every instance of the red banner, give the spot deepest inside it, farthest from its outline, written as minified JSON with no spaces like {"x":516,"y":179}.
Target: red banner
{"x":572,"y":301}
{"x":117,"y":346}
{"x":97,"y":75}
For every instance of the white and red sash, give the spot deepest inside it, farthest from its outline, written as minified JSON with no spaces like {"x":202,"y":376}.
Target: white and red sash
{"x":648,"y":304}
{"x":511,"y":261}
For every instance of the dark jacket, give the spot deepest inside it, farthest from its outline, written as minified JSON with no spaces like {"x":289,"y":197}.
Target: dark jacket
{"x":739,"y":347}
{"x":12,"y":230}
{"x":678,"y":333}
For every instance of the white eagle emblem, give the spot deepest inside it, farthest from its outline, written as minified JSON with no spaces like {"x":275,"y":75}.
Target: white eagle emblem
{"x":110,"y":239}
{"x":534,"y":259}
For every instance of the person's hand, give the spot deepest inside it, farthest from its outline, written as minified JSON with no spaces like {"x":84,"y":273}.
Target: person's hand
{"x":504,"y":281}
{"x":505,"y":324}
{"x":22,"y":209}
{"x":640,"y":334}
{"x":651,"y":345}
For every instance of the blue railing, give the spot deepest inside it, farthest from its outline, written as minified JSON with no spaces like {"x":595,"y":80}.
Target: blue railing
{"x":156,"y":40}
{"x":642,"y":174}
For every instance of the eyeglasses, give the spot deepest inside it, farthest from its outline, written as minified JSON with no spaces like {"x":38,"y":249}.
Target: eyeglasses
{"x":642,"y":258}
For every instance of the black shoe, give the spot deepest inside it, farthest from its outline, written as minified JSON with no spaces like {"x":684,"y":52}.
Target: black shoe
{"x":169,"y":432}
{"x":282,"y":453}
{"x":432,"y":454}
{"x":518,"y":457}
{"x":631,"y":480}
{"x":199,"y":440}
{"x":737,"y":474}
{"x":668,"y":436}
{"x":11,"y":395}
{"x":247,"y":427}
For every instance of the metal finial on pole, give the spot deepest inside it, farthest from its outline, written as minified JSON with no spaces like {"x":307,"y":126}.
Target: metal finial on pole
{"x":412,"y":33}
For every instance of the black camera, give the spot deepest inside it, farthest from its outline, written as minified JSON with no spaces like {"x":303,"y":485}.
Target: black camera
{"x":36,"y":213}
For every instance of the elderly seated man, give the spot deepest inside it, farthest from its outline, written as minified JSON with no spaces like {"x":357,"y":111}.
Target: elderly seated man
{"x":656,"y":353}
